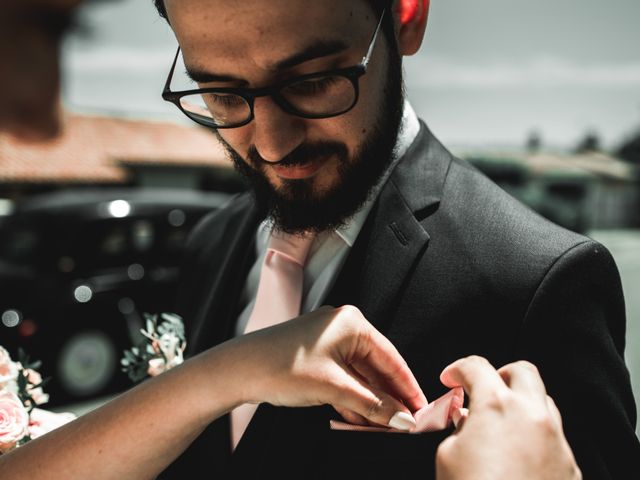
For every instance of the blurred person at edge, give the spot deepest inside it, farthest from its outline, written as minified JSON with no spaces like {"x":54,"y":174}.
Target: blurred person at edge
{"x":72,"y":449}
{"x":30,"y":36}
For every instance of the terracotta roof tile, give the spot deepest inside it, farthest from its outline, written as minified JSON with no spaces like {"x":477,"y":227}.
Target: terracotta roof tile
{"x":94,"y":149}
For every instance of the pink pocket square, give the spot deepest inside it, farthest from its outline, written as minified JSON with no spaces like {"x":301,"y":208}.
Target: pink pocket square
{"x":434,"y":416}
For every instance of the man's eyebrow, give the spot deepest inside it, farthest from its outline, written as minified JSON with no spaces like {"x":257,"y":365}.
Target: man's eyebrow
{"x":322,"y":48}
{"x":201,"y":76}
{"x":319,"y":49}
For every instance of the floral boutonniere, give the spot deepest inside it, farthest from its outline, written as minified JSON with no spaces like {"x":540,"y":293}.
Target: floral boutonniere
{"x":21,"y":391}
{"x":161,"y":349}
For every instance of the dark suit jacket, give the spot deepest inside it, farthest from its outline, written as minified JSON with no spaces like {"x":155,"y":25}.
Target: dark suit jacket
{"x":446,"y":265}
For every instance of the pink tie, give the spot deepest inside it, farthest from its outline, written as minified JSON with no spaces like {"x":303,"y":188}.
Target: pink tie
{"x":278,"y":299}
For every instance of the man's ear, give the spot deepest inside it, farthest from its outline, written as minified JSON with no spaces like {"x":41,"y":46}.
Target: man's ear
{"x":412,"y":15}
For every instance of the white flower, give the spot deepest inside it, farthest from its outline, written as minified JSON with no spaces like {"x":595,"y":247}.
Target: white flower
{"x":162,"y":350}
{"x":167,"y":342}
{"x":170,"y":346}
{"x":8,"y":372}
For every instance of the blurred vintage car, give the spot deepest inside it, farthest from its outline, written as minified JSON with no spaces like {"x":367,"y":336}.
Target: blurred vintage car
{"x":79,"y":268}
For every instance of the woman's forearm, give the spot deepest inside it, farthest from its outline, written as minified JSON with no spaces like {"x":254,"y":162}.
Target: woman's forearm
{"x":140,"y":432}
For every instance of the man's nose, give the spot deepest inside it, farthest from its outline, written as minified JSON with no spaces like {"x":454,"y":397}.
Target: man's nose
{"x":276,"y":133}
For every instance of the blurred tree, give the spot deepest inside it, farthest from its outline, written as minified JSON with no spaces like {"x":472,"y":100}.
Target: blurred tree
{"x":534,"y":141}
{"x":590,"y":143}
{"x":630,"y":150}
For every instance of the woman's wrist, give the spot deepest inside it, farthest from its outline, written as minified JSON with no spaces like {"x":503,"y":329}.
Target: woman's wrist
{"x":228,"y":376}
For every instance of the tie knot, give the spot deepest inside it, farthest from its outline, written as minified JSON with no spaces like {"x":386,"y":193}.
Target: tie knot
{"x":295,"y":247}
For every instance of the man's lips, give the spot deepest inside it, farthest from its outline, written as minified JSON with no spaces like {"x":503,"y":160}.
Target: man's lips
{"x":297,"y":172}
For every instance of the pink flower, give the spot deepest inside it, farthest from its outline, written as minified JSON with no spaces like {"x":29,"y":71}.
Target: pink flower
{"x":14,"y":421}
{"x":43,"y":421}
{"x":33,"y":377}
{"x":8,"y":371}
{"x":38,"y":395}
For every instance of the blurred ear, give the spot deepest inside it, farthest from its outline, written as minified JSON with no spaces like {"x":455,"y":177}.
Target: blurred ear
{"x":412,"y":15}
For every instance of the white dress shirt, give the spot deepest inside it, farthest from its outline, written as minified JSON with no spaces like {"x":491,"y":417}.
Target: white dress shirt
{"x":330,"y":248}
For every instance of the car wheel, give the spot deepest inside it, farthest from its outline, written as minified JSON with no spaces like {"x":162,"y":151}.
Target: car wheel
{"x":86,"y":363}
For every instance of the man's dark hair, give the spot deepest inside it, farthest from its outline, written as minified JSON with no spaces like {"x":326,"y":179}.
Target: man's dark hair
{"x":377,"y":6}
{"x":388,"y":28}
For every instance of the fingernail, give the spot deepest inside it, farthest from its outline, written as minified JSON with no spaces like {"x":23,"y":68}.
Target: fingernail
{"x":402,"y":421}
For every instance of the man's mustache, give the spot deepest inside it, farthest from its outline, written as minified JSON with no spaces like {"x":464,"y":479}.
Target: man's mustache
{"x":302,"y":154}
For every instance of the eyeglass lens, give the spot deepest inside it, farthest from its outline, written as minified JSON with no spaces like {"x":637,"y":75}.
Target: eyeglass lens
{"x":313,"y":97}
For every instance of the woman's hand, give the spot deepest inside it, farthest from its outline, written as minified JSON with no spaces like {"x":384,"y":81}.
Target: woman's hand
{"x":513,"y":429}
{"x":331,"y":356}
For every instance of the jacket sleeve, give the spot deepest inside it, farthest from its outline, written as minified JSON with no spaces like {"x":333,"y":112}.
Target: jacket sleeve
{"x":574,"y":332}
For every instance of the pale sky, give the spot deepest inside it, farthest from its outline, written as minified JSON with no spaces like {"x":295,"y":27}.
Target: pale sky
{"x":488,"y":73}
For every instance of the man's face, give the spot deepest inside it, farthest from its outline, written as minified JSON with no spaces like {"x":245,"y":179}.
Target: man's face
{"x":309,"y":174}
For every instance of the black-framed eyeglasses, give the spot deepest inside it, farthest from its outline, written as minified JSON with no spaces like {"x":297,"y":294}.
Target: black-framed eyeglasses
{"x":316,"y":95}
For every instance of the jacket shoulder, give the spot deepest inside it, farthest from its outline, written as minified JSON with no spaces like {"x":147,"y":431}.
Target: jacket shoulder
{"x":495,"y":218}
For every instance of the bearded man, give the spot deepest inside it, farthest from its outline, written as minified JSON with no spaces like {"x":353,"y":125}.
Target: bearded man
{"x":307,"y":98}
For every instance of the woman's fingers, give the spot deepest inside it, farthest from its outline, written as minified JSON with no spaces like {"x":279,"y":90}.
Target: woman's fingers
{"x":336,"y":356}
{"x":351,"y":417}
{"x":524,"y":377}
{"x":380,"y":363}
{"x":475,"y":375}
{"x":370,"y":403}
{"x":481,"y":381}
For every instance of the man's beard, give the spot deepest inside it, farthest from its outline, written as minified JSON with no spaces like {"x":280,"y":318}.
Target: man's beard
{"x":293,"y":207}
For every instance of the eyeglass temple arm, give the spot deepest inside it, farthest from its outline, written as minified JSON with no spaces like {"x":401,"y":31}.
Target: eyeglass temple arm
{"x":170,"y":76}
{"x":367,"y":57}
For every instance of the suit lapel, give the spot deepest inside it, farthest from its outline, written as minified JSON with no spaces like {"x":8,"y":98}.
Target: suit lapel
{"x":381,"y":259}
{"x":393,"y":238}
